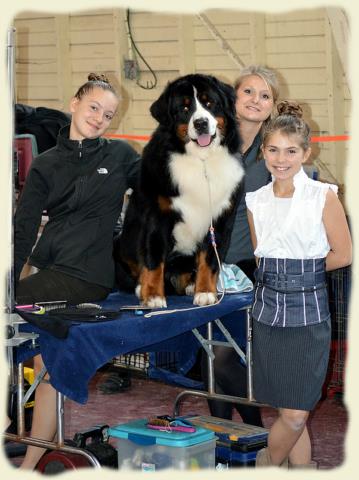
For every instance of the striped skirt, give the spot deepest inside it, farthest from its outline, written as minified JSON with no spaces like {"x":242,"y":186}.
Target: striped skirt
{"x":290,"y":363}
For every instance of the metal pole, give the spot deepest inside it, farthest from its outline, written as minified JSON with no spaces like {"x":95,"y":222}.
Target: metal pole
{"x":210,"y":394}
{"x":211,"y":388}
{"x":20,"y":401}
{"x":60,"y":418}
{"x":37,"y":442}
{"x":10,"y":291}
{"x":250,"y":395}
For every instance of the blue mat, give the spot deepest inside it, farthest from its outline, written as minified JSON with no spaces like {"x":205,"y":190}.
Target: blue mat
{"x":73,"y":361}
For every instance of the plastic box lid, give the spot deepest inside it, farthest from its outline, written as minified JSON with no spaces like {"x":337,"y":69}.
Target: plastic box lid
{"x":137,"y":432}
{"x":237,"y":432}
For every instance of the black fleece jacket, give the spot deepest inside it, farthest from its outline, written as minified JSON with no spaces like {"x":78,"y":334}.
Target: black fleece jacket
{"x":81,"y":186}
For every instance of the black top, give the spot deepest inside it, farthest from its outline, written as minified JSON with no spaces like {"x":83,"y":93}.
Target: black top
{"x":81,"y":186}
{"x":256,"y":175}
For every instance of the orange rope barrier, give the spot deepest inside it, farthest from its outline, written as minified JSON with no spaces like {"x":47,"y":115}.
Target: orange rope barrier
{"x":330,"y":138}
{"x":145,"y":138}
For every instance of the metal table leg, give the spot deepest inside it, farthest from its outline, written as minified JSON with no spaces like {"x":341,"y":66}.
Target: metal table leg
{"x":210,"y":394}
{"x":17,"y":381}
{"x":59,"y":444}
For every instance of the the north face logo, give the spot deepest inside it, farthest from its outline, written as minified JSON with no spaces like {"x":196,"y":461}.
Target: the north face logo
{"x":102,"y":171}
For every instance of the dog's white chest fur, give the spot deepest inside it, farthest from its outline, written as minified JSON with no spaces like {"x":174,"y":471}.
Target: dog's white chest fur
{"x":205,"y":186}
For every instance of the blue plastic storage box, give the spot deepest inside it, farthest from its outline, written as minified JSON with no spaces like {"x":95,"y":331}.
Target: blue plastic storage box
{"x":140,"y":448}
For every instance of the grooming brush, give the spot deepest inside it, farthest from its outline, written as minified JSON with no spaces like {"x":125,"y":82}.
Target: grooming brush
{"x":47,"y":306}
{"x":169,"y":425}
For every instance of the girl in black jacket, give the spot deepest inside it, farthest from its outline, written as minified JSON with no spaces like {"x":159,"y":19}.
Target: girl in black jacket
{"x":80,"y":183}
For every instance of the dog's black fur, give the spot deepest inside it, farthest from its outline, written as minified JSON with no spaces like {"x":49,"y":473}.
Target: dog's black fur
{"x":188,"y":172}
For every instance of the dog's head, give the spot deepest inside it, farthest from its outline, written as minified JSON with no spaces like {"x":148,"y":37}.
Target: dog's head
{"x":201,"y":109}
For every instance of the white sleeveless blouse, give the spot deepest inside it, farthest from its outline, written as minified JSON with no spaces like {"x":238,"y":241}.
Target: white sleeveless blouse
{"x":301,"y":234}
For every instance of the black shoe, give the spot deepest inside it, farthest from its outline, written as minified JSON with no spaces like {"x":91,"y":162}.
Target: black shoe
{"x":115,"y":383}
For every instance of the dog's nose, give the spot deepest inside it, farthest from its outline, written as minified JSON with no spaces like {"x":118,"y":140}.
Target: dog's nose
{"x":201,"y":125}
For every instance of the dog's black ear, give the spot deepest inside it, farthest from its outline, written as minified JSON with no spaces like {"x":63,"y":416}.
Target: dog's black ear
{"x":228,"y":96}
{"x":160,"y":108}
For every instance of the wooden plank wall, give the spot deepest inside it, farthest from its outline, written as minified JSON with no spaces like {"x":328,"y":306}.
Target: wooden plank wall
{"x":54,"y":54}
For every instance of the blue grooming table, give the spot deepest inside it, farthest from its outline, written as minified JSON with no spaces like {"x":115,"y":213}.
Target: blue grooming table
{"x":72,"y":362}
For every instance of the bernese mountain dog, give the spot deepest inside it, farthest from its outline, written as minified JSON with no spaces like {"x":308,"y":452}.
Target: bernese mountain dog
{"x":178,"y":221}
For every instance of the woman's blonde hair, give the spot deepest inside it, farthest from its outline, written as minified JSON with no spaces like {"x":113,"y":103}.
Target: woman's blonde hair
{"x":270,"y":79}
{"x":266,"y":74}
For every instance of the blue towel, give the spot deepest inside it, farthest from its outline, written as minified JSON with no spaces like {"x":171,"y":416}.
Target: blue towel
{"x":72,"y":361}
{"x":233,"y":280}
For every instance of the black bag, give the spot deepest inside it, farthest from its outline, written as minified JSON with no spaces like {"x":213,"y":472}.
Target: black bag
{"x":44,"y":123}
{"x":58,"y":321}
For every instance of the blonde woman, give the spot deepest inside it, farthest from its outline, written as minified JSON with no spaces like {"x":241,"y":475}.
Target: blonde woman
{"x":257,"y":91}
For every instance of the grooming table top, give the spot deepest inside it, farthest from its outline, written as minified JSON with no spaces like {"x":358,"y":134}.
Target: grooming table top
{"x":72,"y":362}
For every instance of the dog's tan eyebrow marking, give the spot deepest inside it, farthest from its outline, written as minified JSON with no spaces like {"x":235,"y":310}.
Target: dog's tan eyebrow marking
{"x":182,"y":131}
{"x":221,"y":123}
{"x":187,"y":101}
{"x":164,"y":203}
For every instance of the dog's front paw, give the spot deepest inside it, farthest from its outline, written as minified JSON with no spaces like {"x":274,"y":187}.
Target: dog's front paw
{"x":189,"y":290}
{"x":138,"y":291}
{"x":204,"y":298}
{"x":155,"y":302}
{"x":152,"y":301}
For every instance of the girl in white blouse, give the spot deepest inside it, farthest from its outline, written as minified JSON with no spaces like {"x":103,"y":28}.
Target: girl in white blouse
{"x":299,"y":231}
